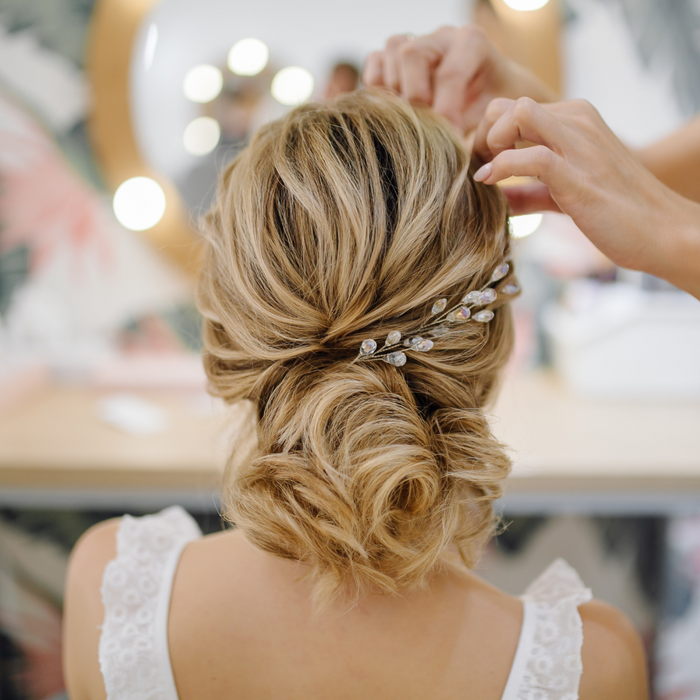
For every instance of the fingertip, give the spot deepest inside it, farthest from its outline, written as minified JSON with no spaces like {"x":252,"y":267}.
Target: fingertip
{"x":372,"y":71}
{"x":483,"y":173}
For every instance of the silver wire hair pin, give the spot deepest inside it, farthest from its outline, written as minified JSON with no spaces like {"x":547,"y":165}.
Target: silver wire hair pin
{"x":441,"y":322}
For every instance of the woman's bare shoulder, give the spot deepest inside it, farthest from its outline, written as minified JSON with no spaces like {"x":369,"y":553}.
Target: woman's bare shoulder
{"x":614,"y":663}
{"x":96,"y":547}
{"x":83,"y":611}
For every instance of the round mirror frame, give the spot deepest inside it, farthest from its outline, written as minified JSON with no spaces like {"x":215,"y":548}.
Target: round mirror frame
{"x":113,"y":27}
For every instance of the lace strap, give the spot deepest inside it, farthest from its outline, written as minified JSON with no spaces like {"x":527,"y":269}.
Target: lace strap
{"x":136,"y":588}
{"x":550,"y":658}
{"x":559,"y":583}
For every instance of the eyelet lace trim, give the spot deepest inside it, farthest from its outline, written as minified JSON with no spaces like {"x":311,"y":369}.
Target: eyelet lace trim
{"x":132,"y":588}
{"x":553,"y":668}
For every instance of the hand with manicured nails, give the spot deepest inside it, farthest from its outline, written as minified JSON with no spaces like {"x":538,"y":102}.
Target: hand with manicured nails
{"x":455,"y":70}
{"x":586,"y":172}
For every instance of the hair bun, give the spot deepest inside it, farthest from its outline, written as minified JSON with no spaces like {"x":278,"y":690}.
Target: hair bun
{"x":357,"y":484}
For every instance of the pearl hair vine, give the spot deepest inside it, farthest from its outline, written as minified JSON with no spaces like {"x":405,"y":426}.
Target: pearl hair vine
{"x":442,"y":321}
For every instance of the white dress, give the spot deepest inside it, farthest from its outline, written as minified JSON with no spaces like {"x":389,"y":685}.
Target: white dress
{"x":136,"y":589}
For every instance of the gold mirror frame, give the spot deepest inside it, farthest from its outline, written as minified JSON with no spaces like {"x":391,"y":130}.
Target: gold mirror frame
{"x":113,"y":28}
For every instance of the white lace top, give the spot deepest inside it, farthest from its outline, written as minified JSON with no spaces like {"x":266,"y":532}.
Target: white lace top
{"x":136,"y":589}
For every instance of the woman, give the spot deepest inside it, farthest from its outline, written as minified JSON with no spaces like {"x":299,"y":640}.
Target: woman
{"x":356,"y":293}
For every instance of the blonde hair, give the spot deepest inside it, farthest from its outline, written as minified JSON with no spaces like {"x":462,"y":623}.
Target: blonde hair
{"x":340,"y":222}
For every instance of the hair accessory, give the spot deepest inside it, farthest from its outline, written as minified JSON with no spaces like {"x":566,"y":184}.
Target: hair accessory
{"x":442,"y":321}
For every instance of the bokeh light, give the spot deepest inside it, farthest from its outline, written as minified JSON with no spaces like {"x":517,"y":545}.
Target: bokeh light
{"x":248,"y":57}
{"x":521,"y":226}
{"x":526,"y":5}
{"x":139,"y":203}
{"x":292,"y":85}
{"x":201,"y":136}
{"x":203,"y":83}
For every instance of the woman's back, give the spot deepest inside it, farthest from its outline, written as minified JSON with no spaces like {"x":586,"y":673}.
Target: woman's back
{"x":241,"y":625}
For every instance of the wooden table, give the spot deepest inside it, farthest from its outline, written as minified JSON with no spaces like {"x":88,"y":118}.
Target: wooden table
{"x":570,"y":454}
{"x":573,"y":454}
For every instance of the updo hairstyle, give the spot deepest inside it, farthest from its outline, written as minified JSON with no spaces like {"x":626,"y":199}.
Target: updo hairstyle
{"x":340,"y":222}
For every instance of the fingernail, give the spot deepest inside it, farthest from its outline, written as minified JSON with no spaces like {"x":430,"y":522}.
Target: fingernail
{"x":483,"y":173}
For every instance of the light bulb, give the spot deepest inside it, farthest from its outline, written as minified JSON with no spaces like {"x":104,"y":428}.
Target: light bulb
{"x":521,"y":226}
{"x":292,"y":85}
{"x":248,"y":57}
{"x":203,"y":83}
{"x":525,"y":5}
{"x":201,"y":136}
{"x":139,"y":203}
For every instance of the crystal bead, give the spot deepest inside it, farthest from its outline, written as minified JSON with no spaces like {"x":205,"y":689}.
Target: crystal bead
{"x":368,"y":347}
{"x":472,"y":298}
{"x":450,"y":318}
{"x":462,"y":314}
{"x":397,"y":359}
{"x":393,"y":338}
{"x":483,"y":316}
{"x":423,"y":346}
{"x":487,"y":296}
{"x":510,"y":289}
{"x":439,"y":306}
{"x":409,"y":342}
{"x":440,"y":331}
{"x":500,"y":272}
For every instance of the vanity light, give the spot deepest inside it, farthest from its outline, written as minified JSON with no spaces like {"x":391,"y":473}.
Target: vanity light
{"x":248,"y":57}
{"x":525,"y":5}
{"x":139,"y":203}
{"x":292,"y":85}
{"x":521,"y":226}
{"x":203,"y":83}
{"x":201,"y":136}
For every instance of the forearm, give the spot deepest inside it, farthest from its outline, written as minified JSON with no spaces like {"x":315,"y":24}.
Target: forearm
{"x":689,"y":255}
{"x":677,"y":252}
{"x":675,"y":160}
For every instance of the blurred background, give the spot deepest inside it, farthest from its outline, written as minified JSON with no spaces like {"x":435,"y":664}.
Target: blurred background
{"x":115,"y":118}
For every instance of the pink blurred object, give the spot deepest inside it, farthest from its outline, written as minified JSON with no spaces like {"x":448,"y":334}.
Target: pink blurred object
{"x":44,"y":204}
{"x":151,"y":335}
{"x":43,"y":667}
{"x":150,"y":371}
{"x":34,"y":624}
{"x":20,"y":384}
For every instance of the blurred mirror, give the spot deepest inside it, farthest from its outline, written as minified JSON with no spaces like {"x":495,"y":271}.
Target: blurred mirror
{"x":205,"y":75}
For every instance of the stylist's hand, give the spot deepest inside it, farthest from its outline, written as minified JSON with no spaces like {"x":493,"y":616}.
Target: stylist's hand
{"x":456,"y":71}
{"x":584,"y":171}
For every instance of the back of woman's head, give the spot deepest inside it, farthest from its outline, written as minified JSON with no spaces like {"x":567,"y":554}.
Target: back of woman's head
{"x":342,"y":222}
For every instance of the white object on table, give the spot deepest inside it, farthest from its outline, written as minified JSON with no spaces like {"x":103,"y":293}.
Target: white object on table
{"x":132,"y":414}
{"x":621,"y":342}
